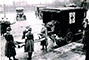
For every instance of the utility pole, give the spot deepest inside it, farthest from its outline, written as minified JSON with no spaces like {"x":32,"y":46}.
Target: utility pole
{"x":4,"y":11}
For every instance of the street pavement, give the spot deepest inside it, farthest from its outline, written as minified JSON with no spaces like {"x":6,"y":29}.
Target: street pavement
{"x":62,"y":53}
{"x":66,"y":52}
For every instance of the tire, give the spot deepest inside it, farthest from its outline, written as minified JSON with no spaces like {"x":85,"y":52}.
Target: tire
{"x":69,"y":37}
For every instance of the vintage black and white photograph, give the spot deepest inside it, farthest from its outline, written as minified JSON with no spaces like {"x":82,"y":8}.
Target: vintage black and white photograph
{"x":44,"y":29}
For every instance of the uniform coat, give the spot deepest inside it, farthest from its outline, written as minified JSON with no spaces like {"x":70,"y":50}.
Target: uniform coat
{"x":10,"y":46}
{"x":87,"y":44}
{"x":29,"y":44}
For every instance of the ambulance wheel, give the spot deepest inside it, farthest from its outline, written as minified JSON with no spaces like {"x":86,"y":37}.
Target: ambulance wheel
{"x":69,"y":37}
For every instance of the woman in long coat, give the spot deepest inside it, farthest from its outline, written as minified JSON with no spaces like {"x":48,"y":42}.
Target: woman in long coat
{"x":29,"y":43}
{"x":44,"y":42}
{"x":10,"y":46}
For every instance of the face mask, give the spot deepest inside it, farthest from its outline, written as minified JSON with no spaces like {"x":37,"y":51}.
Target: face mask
{"x":8,"y":31}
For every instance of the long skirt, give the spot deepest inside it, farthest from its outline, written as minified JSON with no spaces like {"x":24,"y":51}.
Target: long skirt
{"x":29,"y":46}
{"x":10,"y":49}
{"x":44,"y":42}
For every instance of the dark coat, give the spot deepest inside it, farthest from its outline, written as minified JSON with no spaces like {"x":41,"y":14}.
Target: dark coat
{"x":87,"y":38}
{"x":87,"y":44}
{"x":29,"y":44}
{"x":10,"y":46}
{"x":4,"y":25}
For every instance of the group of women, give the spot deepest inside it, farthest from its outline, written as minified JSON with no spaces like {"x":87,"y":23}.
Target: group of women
{"x":29,"y":42}
{"x":10,"y":45}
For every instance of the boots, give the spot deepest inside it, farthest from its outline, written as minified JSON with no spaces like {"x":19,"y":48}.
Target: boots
{"x":14,"y":58}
